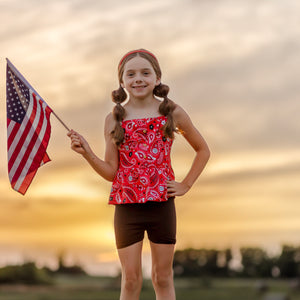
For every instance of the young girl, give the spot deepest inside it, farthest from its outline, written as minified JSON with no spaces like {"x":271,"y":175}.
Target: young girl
{"x":139,"y":136}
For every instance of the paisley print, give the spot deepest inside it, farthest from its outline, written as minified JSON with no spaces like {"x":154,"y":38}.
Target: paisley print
{"x":144,"y":163}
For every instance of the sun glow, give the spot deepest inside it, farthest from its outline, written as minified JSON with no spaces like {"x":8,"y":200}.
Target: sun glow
{"x":65,"y":188}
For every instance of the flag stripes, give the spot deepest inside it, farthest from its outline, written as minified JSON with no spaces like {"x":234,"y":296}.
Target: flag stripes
{"x":28,"y":132}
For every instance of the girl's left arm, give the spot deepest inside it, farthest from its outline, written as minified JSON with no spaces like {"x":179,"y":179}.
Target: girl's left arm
{"x":195,"y":139}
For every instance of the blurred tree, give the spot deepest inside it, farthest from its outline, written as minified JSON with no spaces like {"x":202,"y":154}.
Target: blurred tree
{"x":256,"y":263}
{"x":27,"y":273}
{"x":63,"y":269}
{"x":201,"y":262}
{"x":289,"y":262}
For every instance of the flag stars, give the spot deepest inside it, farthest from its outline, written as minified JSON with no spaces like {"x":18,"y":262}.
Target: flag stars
{"x":17,"y":98}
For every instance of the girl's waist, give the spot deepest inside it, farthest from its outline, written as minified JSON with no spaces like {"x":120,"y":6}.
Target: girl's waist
{"x":144,"y":164}
{"x":143,"y":171}
{"x":146,"y":168}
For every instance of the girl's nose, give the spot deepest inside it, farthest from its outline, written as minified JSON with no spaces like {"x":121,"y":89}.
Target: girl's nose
{"x":138,"y":78}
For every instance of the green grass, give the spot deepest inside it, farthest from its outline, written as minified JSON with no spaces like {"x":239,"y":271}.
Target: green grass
{"x":92,"y":288}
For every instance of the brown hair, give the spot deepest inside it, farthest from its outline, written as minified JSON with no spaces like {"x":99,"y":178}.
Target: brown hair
{"x":118,"y":96}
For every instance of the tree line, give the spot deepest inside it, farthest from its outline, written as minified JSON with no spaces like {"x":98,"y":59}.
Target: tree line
{"x":249,"y":263}
{"x":28,"y":273}
{"x":252,"y":263}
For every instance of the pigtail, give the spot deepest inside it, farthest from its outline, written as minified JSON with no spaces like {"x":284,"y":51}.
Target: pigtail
{"x":118,"y":96}
{"x":166,"y":108}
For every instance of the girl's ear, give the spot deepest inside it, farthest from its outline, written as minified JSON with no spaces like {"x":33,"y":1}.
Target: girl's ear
{"x":157,"y":82}
{"x":122,"y":85}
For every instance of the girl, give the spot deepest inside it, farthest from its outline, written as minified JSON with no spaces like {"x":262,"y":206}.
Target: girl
{"x":139,"y":136}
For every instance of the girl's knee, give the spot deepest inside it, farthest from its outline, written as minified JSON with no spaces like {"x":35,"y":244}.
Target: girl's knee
{"x":162,"y":278}
{"x":132,"y":280}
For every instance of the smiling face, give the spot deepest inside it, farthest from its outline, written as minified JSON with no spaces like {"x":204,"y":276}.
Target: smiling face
{"x":139,"y":78}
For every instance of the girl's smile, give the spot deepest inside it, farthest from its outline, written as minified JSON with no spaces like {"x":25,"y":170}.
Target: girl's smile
{"x":139,"y":86}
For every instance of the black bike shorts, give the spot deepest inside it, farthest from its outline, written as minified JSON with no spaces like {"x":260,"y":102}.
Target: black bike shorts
{"x":157,"y":218}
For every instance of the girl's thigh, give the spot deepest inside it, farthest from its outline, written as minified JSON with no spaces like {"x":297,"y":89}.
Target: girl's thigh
{"x":131,"y":258}
{"x":162,"y":257}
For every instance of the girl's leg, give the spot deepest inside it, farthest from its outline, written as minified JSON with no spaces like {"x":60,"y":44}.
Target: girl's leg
{"x":162,"y":270}
{"x":131,"y":263}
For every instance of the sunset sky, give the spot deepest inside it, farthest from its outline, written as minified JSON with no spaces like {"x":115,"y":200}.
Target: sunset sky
{"x":233,"y":65}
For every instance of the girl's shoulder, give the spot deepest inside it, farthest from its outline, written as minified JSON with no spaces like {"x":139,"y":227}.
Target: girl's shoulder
{"x":109,"y":122}
{"x":180,"y":115}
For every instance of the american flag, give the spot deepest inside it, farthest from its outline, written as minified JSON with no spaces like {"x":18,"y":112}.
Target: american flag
{"x":28,"y":130}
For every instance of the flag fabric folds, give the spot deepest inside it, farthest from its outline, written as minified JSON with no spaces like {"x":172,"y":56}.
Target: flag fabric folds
{"x":28,"y":130}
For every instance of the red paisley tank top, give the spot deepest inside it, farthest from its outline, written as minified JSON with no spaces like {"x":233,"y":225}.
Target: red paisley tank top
{"x":144,"y":163}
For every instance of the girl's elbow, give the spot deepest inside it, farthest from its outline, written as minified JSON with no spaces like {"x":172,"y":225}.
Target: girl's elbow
{"x":112,"y":176}
{"x":205,"y":153}
{"x":109,"y":178}
{"x":111,"y":172}
{"x":108,"y":175}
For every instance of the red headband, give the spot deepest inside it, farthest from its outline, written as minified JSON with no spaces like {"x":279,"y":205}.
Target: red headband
{"x":135,"y":51}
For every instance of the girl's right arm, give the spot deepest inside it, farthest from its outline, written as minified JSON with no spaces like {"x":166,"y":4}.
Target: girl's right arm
{"x":108,"y":167}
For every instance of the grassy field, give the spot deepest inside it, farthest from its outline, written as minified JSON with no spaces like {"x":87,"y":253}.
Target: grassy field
{"x":87,"y":288}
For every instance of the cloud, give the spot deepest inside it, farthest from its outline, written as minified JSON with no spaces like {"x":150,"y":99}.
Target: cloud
{"x":249,"y":101}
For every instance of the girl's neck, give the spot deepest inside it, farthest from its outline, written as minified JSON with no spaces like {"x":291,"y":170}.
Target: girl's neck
{"x":136,"y":108}
{"x":144,"y":103}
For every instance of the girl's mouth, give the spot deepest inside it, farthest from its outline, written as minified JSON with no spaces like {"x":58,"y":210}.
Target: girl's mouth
{"x":139,"y":86}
